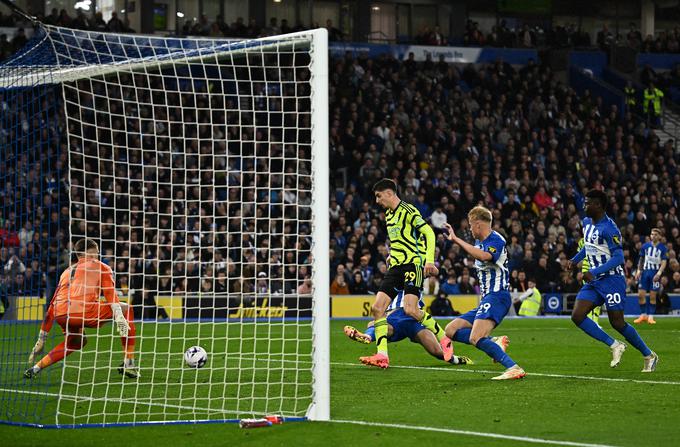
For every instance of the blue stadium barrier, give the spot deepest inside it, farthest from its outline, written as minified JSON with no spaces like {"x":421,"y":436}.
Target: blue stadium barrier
{"x":581,"y":82}
{"x":595,"y":61}
{"x":660,"y":61}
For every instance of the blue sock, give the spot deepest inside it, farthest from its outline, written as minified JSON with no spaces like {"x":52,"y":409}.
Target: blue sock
{"x":495,"y":352}
{"x":652,"y":309}
{"x":370,"y":332}
{"x":634,"y":339}
{"x":463,"y":335}
{"x":589,"y":327}
{"x":643,"y":308}
{"x":647,"y":307}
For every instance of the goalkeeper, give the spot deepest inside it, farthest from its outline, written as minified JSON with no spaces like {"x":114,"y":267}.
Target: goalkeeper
{"x":76,"y":305}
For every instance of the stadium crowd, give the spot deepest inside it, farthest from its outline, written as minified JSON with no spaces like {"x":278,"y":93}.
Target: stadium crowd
{"x":514,"y":139}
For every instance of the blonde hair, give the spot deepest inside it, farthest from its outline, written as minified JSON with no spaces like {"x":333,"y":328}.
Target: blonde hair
{"x":657,"y":230}
{"x":480,"y":213}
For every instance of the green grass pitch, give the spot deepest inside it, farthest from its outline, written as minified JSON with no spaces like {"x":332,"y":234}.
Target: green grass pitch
{"x":570,"y":394}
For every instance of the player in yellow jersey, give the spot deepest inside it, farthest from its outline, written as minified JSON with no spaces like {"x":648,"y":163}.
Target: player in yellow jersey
{"x":412,"y":243}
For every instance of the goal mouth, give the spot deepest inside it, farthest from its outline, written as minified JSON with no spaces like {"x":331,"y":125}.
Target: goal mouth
{"x":200,"y":169}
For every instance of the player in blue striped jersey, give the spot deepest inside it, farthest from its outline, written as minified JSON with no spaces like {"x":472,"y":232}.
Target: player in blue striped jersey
{"x":491,"y":262}
{"x":605,"y":282}
{"x":401,"y":326}
{"x":651,"y":265}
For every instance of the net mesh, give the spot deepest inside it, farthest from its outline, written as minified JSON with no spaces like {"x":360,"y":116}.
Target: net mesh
{"x":189,"y":162}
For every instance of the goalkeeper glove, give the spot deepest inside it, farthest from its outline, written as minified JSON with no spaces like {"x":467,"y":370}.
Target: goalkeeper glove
{"x":119,"y":318}
{"x":39,"y":345}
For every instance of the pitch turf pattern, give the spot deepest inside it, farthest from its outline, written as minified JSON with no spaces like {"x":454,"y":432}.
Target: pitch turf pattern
{"x":569,"y":395}
{"x":252,"y":369}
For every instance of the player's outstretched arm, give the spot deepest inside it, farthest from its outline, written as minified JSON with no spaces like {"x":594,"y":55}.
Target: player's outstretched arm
{"x":120,"y":320}
{"x":430,"y":268}
{"x":573,"y":262}
{"x":473,"y":251}
{"x":641,"y":263}
{"x":109,"y":291}
{"x":615,"y":260}
{"x":662,"y":267}
{"x":44,"y":330}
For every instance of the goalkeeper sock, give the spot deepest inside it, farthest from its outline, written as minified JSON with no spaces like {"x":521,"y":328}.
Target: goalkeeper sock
{"x":381,"y":335}
{"x":432,"y":325}
{"x":129,"y":341}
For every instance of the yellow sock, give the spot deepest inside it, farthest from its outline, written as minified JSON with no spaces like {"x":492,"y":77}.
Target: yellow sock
{"x":432,"y":325}
{"x":381,"y":335}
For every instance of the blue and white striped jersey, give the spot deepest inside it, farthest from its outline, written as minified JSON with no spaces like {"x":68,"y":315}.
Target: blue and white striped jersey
{"x":653,"y":256}
{"x":493,"y":275}
{"x":601,"y":239}
{"x":398,"y":301}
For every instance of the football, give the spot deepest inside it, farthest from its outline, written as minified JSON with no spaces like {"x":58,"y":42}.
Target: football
{"x":195,"y":357}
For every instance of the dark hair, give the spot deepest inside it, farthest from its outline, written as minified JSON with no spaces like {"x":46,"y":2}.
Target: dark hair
{"x":598,"y":195}
{"x":385,"y":184}
{"x":82,"y":246}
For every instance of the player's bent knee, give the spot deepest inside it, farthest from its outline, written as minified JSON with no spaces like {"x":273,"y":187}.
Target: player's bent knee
{"x":577,"y":318}
{"x":76,"y":341}
{"x":377,"y":311}
{"x":619,"y":325}
{"x":413,"y":312}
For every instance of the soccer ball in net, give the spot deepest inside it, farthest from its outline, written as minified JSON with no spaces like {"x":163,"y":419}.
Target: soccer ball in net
{"x":195,"y":357}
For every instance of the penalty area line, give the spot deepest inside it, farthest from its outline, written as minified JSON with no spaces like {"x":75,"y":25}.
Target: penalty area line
{"x":472,"y":433}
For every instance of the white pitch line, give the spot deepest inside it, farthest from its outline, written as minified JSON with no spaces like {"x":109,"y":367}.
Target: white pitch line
{"x":367,"y":423}
{"x":430,"y":368}
{"x":125,"y":401}
{"x":484,"y":371}
{"x":473,"y":433}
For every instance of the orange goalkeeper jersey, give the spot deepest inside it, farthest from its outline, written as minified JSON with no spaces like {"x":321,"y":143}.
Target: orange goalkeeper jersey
{"x":80,"y":287}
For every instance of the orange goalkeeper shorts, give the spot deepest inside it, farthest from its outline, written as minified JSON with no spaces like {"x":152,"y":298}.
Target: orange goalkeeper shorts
{"x":76,"y":322}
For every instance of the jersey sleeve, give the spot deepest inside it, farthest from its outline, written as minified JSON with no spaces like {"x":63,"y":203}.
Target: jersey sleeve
{"x":664,"y":252}
{"x":494,"y":246}
{"x":418,"y":221}
{"x":48,"y":321}
{"x":107,"y":284}
{"x":423,"y":228}
{"x":613,"y":238}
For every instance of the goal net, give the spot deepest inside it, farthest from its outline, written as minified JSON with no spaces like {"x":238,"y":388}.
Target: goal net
{"x":200,"y":168}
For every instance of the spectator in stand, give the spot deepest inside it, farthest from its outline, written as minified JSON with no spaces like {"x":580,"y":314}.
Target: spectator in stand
{"x":19,"y":40}
{"x":441,"y":306}
{"x":334,"y":34}
{"x":305,"y":287}
{"x":450,"y":287}
{"x":358,"y":286}
{"x":115,"y":25}
{"x":340,"y":285}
